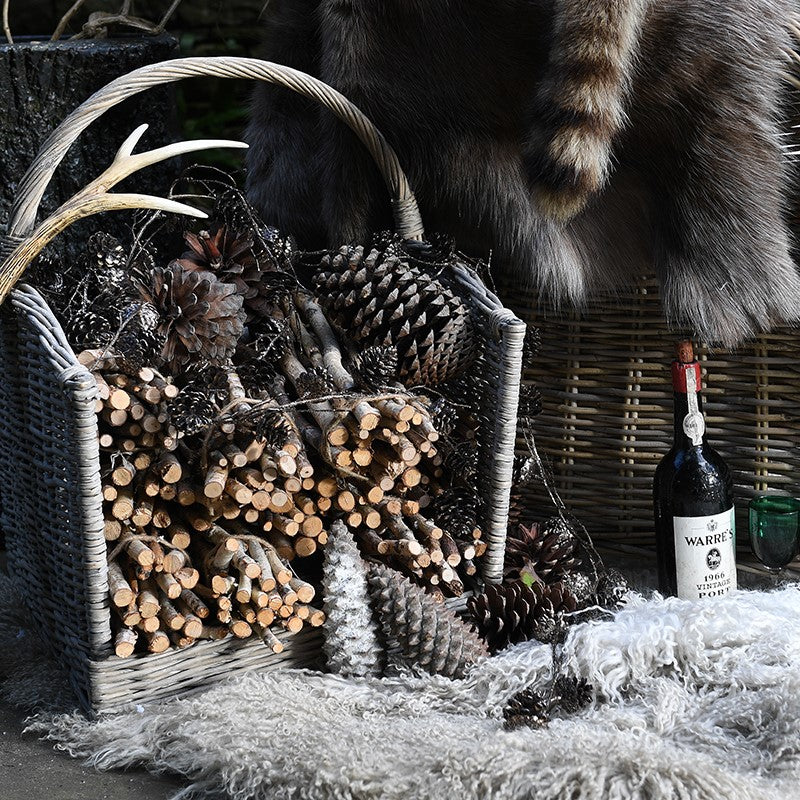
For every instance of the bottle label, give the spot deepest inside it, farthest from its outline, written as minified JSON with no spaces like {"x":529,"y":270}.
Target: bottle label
{"x":705,"y":555}
{"x":694,"y":426}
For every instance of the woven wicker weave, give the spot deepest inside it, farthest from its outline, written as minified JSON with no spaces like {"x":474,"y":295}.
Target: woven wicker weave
{"x":49,"y":460}
{"x":607,"y":421}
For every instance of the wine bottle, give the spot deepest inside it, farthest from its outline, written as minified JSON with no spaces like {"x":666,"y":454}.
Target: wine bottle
{"x":693,"y":499}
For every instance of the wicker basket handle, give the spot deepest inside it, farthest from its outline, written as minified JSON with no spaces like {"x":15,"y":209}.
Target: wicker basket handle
{"x":36,"y":179}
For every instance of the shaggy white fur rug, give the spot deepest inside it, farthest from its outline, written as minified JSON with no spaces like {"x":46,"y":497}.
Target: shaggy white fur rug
{"x":696,"y":701}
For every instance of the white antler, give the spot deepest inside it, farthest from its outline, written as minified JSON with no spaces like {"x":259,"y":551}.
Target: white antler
{"x":96,"y":198}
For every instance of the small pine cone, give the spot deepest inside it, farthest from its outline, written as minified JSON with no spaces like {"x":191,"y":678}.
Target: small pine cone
{"x":461,"y":459}
{"x":518,"y":613}
{"x":527,"y":708}
{"x":107,"y":263}
{"x":86,"y":328}
{"x":444,"y":416}
{"x":581,"y":585}
{"x":530,"y":401}
{"x":531,"y":346}
{"x":192,"y":411}
{"x":257,"y":375}
{"x":572,"y":694}
{"x":202,"y":318}
{"x":456,"y":511}
{"x":270,"y":337}
{"x":543,"y":554}
{"x":611,"y":589}
{"x":421,"y":632}
{"x":316,"y":382}
{"x":384,"y":300}
{"x":376,"y":367}
{"x":140,"y":341}
{"x":271,"y":427}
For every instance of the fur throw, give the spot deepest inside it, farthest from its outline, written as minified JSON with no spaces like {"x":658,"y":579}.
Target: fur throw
{"x":694,"y":700}
{"x":582,"y":143}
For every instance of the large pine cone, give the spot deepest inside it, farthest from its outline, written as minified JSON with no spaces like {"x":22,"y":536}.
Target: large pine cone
{"x":420,"y":631}
{"x":202,"y":318}
{"x":231,"y":256}
{"x":541,"y":552}
{"x":384,"y":300}
{"x":518,"y":613}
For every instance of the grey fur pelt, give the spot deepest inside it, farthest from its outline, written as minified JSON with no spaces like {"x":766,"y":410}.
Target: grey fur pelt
{"x":582,"y":142}
{"x":698,"y":701}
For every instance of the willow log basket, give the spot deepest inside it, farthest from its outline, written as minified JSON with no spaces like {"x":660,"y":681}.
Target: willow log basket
{"x":49,"y":468}
{"x":607,"y":420}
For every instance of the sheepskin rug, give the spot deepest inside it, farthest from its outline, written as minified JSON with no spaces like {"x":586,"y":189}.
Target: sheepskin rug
{"x":695,"y":701}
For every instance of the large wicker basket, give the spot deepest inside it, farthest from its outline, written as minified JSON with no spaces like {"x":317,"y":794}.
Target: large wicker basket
{"x":607,"y":421}
{"x":49,"y":460}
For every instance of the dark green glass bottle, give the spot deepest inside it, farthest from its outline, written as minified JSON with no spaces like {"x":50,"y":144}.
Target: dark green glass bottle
{"x":693,"y":499}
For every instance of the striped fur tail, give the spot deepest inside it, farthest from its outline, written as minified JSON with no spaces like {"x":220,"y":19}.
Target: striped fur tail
{"x":581,"y":102}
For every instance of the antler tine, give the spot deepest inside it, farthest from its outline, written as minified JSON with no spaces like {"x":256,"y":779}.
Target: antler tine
{"x":95,"y":198}
{"x":125,"y":163}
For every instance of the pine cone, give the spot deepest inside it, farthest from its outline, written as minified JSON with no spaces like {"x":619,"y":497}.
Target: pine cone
{"x":539,"y":553}
{"x":376,"y":367}
{"x":87,"y":328}
{"x":571,"y":694}
{"x":351,"y":639}
{"x":423,"y":633}
{"x":316,"y":382}
{"x":192,"y":411}
{"x":267,"y":425}
{"x":257,"y":375}
{"x":456,"y":511}
{"x":531,"y":345}
{"x":270,"y":337}
{"x":444,"y":415}
{"x":530,"y":401}
{"x":108,"y":265}
{"x":527,"y":708}
{"x":611,"y":589}
{"x":202,"y":318}
{"x":230,"y":256}
{"x":525,"y":470}
{"x":381,"y":300}
{"x":461,"y":460}
{"x":140,"y":341}
{"x":581,"y":585}
{"x":518,"y":613}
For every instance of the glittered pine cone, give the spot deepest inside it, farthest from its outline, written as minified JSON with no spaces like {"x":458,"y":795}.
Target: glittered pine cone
{"x":202,"y":318}
{"x":384,"y":300}
{"x":518,"y":613}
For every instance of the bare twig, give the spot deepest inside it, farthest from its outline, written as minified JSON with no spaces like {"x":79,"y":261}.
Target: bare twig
{"x":65,"y":20}
{"x":6,"y":26}
{"x":166,"y":18}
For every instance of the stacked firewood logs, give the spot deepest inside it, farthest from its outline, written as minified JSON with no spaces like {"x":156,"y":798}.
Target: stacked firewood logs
{"x":203,"y":541}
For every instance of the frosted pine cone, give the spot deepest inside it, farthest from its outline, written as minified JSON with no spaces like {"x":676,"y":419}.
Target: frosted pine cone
{"x":351,"y":640}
